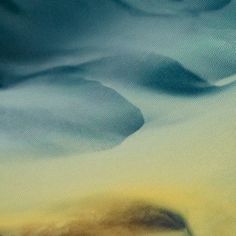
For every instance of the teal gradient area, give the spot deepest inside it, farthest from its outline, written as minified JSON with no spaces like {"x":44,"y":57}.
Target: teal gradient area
{"x":117,"y":117}
{"x":72,"y":116}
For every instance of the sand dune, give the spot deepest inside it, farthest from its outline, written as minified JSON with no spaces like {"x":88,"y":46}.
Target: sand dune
{"x":73,"y":115}
{"x":134,"y":100}
{"x":119,"y":217}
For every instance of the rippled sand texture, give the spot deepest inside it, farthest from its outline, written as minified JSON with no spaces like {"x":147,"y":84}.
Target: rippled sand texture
{"x":117,"y":117}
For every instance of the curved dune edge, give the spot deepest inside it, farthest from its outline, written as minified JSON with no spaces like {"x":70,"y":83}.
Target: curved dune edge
{"x":168,"y":8}
{"x":138,"y":211}
{"x":121,"y":218}
{"x":74,"y":115}
{"x":149,"y":71}
{"x":153,"y":72}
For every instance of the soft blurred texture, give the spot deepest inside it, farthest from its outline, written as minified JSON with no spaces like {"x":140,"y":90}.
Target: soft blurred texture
{"x":117,"y":117}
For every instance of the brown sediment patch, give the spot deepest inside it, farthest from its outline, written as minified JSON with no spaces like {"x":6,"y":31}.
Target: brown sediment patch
{"x":128,"y":219}
{"x":124,"y":214}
